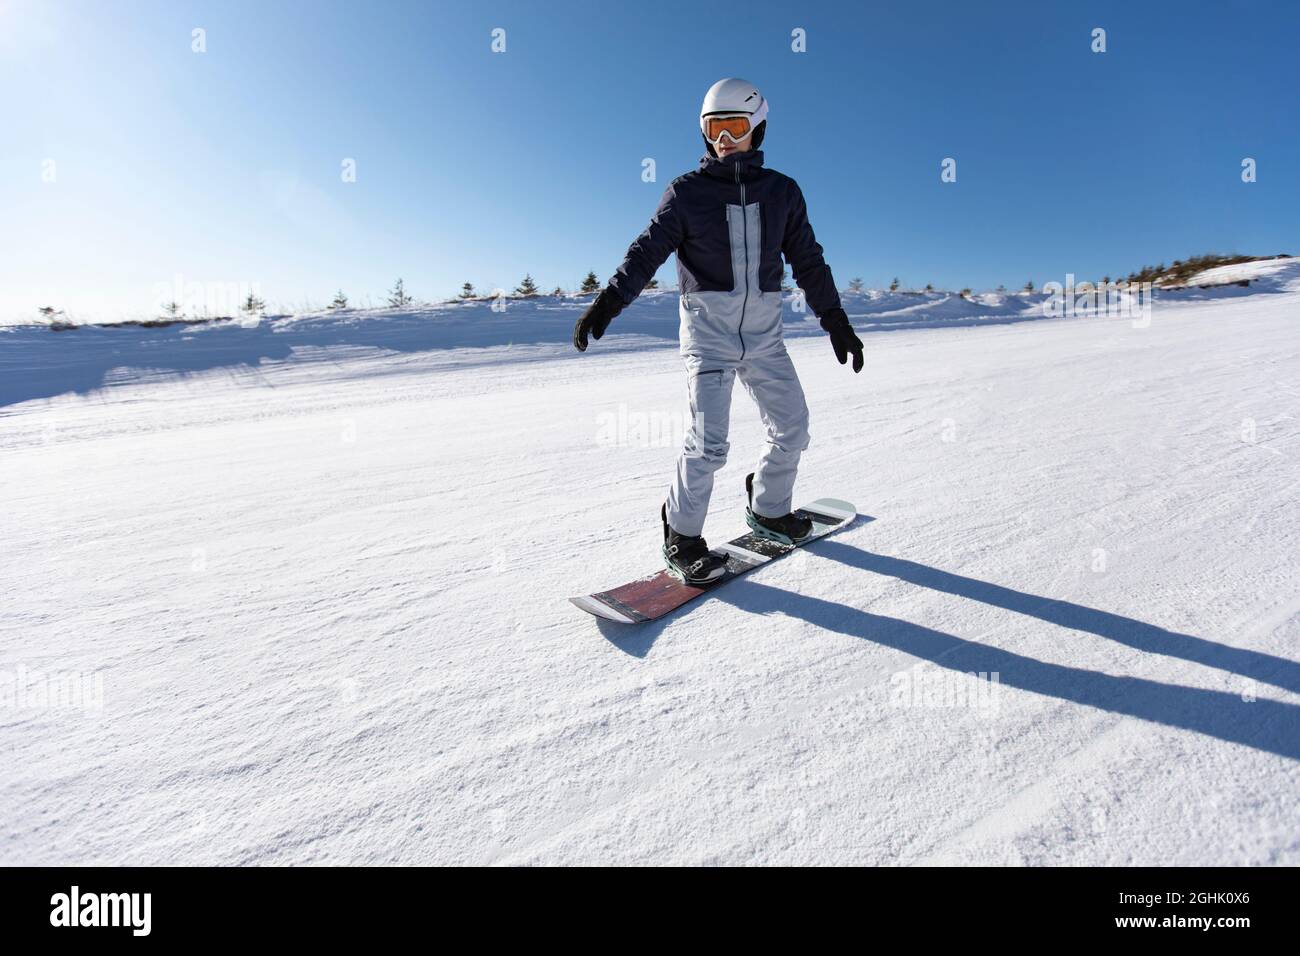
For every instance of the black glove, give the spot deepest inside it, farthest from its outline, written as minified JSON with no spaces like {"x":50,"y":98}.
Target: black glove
{"x":597,"y":318}
{"x":843,"y":339}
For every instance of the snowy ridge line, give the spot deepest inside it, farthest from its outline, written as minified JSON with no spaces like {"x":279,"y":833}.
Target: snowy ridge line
{"x":37,"y":363}
{"x":1280,"y":274}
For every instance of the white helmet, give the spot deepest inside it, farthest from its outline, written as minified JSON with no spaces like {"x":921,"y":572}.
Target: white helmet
{"x":734,"y":97}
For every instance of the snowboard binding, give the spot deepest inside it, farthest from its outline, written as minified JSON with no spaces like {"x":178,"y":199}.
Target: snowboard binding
{"x":788,"y":529}
{"x":688,"y":557}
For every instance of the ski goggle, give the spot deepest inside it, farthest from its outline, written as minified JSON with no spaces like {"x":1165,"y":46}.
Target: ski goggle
{"x":735,"y":125}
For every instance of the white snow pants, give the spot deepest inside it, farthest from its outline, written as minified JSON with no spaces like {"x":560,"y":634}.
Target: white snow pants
{"x":729,"y":335}
{"x":771,"y":381}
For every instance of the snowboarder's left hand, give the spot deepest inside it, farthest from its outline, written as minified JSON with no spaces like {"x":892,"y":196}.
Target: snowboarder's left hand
{"x":597,"y":318}
{"x":843,"y":339}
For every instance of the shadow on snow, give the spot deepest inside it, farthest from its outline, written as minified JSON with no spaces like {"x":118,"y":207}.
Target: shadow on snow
{"x":1263,"y":724}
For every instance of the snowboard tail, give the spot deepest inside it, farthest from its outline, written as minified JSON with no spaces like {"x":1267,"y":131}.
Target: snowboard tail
{"x":658,"y":594}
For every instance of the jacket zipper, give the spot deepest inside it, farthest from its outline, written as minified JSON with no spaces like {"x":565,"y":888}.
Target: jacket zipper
{"x":744,"y":229}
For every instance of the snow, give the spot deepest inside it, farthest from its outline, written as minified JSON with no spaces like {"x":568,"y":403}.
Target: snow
{"x":1271,"y":273}
{"x":319,"y":569}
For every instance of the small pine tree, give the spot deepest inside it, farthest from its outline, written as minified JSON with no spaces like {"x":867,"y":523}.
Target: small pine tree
{"x":340,"y":300}
{"x":1029,"y":286}
{"x":855,"y":285}
{"x":785,"y":280}
{"x":398,"y":298}
{"x":893,"y":286}
{"x":467,"y":290}
{"x":591,"y":283}
{"x":558,"y":292}
{"x":527,"y":287}
{"x":253,"y":304}
{"x":929,"y":287}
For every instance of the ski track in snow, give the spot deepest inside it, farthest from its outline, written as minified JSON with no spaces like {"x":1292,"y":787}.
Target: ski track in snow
{"x":326,"y":595}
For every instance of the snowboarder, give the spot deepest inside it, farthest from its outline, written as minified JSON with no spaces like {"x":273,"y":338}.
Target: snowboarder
{"x":730,"y":222}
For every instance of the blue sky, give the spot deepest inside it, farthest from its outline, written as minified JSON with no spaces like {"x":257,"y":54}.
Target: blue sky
{"x":472,"y":165}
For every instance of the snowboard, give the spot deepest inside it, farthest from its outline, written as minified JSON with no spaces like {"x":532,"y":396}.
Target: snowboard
{"x":658,"y":594}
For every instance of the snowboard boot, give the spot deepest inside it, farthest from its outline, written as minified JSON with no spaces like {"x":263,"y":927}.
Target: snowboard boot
{"x":788,"y":529}
{"x":689,"y":558}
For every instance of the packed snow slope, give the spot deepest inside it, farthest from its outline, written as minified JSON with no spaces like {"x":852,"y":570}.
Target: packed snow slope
{"x":319,"y":569}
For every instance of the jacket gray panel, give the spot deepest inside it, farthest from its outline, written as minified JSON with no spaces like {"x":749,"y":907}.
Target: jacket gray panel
{"x":744,"y":321}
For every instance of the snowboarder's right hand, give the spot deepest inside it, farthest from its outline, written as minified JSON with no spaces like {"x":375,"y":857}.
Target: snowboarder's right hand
{"x":597,"y":318}
{"x":843,"y":339}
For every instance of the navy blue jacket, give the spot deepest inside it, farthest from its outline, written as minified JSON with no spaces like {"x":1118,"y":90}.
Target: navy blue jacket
{"x":692,"y":221}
